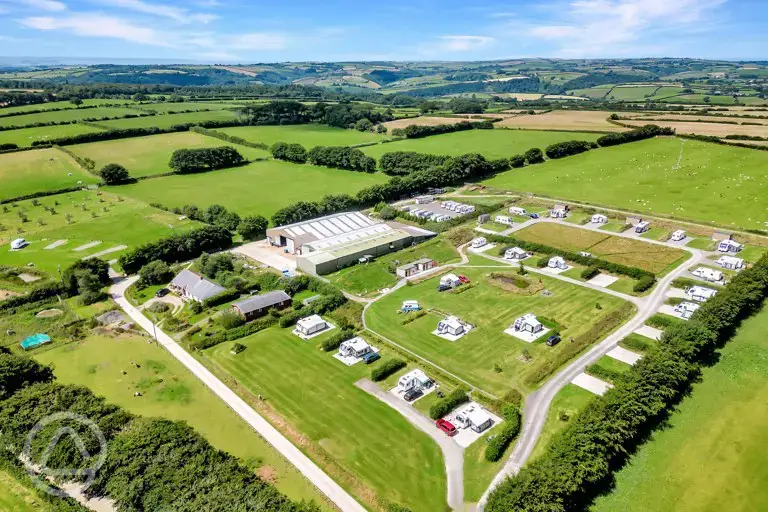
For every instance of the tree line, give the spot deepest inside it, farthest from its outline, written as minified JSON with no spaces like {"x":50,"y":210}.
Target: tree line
{"x":185,"y":161}
{"x":582,"y":458}
{"x":416,"y":131}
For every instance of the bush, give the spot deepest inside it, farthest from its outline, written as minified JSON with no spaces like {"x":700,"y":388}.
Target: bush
{"x":289,"y":152}
{"x":237,"y":348}
{"x":644,"y":283}
{"x":230,"y":320}
{"x":114,"y":174}
{"x":567,"y":148}
{"x":661,"y":321}
{"x":637,"y":343}
{"x":589,"y":272}
{"x":253,"y":227}
{"x":155,"y":272}
{"x":498,"y":445}
{"x":387,"y":368}
{"x":534,"y":156}
{"x":334,"y":341}
{"x":445,"y":405}
{"x":517,"y":161}
{"x":205,"y":159}
{"x":290,"y":318}
{"x":542,"y":262}
{"x":400,"y":163}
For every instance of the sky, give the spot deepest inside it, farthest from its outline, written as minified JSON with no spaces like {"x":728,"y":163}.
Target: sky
{"x":242,"y":31}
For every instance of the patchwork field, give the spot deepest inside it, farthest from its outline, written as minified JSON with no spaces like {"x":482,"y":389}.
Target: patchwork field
{"x":184,"y":106}
{"x":422,"y":121}
{"x":716,"y":129}
{"x":258,"y":188}
{"x":710,"y":456}
{"x":491,"y":143}
{"x":316,"y":396}
{"x":124,"y":223}
{"x":486,"y":356}
{"x":168,"y":120}
{"x":42,"y":170}
{"x":585,"y":120}
{"x":24,"y":137}
{"x":145,"y":156}
{"x":72,"y":114}
{"x":655,"y":258}
{"x":714,"y":183}
{"x":308,"y":135}
{"x":169,"y":391}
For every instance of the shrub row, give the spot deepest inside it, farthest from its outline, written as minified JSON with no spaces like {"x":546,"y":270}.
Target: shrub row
{"x":84,"y":162}
{"x":221,"y":298}
{"x":638,"y":343}
{"x":415,"y":131}
{"x":387,"y":368}
{"x":582,"y":457}
{"x":568,"y":148}
{"x":61,"y":123}
{"x":341,"y":157}
{"x":177,"y":247}
{"x":399,"y":163}
{"x":644,"y":132}
{"x":334,"y":342}
{"x":662,"y":321}
{"x":233,"y":334}
{"x":452,"y":400}
{"x":228,"y":138}
{"x":589,"y":272}
{"x":186,"y":160}
{"x":499,"y":444}
{"x":295,"y":153}
{"x":37,"y":294}
{"x":603,"y":373}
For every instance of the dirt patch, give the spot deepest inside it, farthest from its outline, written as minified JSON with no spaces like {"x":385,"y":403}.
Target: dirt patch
{"x":7,"y":294}
{"x":422,"y":121}
{"x":49,"y":313}
{"x":29,"y":278}
{"x":268,"y":474}
{"x":566,"y":120}
{"x":514,"y":283}
{"x":716,"y":129}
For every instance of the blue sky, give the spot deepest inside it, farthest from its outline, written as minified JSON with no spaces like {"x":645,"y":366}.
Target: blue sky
{"x":333,"y":30}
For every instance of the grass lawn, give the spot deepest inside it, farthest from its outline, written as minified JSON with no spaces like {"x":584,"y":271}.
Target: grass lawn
{"x":711,"y":454}
{"x":259,"y":188}
{"x":655,"y":258}
{"x":168,"y":120}
{"x":612,"y":365}
{"x":145,"y":156}
{"x":315,"y":395}
{"x":72,"y":114}
{"x":478,"y":472}
{"x":126,"y":222}
{"x":24,"y":137}
{"x":705,"y":244}
{"x":15,"y":497}
{"x":308,"y":135}
{"x":169,"y":391}
{"x":643,"y":176}
{"x":661,"y":234}
{"x":491,"y":309}
{"x":371,"y":277}
{"x":497,"y":143}
{"x":568,"y":402}
{"x":42,"y":170}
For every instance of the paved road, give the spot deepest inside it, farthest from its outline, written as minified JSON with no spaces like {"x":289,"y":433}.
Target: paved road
{"x":453,"y":454}
{"x":537,"y":404}
{"x":334,"y":492}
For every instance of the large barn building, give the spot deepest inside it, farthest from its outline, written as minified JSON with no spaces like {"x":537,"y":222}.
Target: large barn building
{"x":329,"y":243}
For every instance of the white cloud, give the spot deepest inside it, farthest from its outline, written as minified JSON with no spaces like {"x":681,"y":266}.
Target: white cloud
{"x":46,"y":5}
{"x":175,"y":13}
{"x":258,"y":41}
{"x":98,"y":25}
{"x":606,"y":27}
{"x":463,"y":43}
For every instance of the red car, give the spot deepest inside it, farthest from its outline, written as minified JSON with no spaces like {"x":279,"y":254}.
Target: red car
{"x":446,"y":426}
{"x":463,"y":279}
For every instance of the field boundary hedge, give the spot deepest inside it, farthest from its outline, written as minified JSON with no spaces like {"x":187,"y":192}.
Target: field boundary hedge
{"x":228,"y":138}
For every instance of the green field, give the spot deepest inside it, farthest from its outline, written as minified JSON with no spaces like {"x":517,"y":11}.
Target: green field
{"x":308,"y":135}
{"x":568,"y":402}
{"x":126,"y":222}
{"x":15,"y":497}
{"x":710,"y":456}
{"x":170,"y":391}
{"x":145,"y":156}
{"x":726,"y":185}
{"x":498,"y":143}
{"x":259,"y":188}
{"x":42,"y":170}
{"x":168,"y":120}
{"x":24,"y":137}
{"x":72,"y":114}
{"x":639,"y":93}
{"x":491,"y":309}
{"x":655,"y":258}
{"x":315,"y":394}
{"x":163,"y":108}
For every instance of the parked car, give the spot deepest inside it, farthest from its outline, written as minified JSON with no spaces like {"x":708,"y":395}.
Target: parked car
{"x":533,"y":215}
{"x":446,"y":426}
{"x":412,"y":394}
{"x":443,"y":287}
{"x":553,"y":340}
{"x":463,"y":279}
{"x":371,"y":357}
{"x":162,"y":292}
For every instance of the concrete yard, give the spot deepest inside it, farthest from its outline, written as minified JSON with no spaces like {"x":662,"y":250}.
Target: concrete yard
{"x":603,"y":280}
{"x":591,"y":384}
{"x":649,"y":332}
{"x":624,"y":355}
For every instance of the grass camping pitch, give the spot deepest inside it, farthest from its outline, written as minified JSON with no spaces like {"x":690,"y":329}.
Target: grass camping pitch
{"x":490,"y":143}
{"x":711,"y":453}
{"x":714,"y":183}
{"x":145,"y":156}
{"x":41,"y":170}
{"x":24,"y":137}
{"x":486,"y":356}
{"x":655,"y":258}
{"x":259,"y":188}
{"x":315,"y":395}
{"x":308,"y":135}
{"x":169,"y":391}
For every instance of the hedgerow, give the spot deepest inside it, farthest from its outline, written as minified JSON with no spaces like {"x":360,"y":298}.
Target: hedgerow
{"x":498,"y":445}
{"x":387,"y":368}
{"x":417,"y":131}
{"x":445,"y":405}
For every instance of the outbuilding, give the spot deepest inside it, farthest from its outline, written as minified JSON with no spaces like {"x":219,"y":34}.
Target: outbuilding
{"x":729,"y":246}
{"x":708,"y":274}
{"x":416,"y":380}
{"x":528,"y":323}
{"x":678,"y":235}
{"x":450,"y":325}
{"x":700,"y":293}
{"x":259,"y":305}
{"x":515,"y":253}
{"x":311,"y":325}
{"x":730,"y":262}
{"x":557,"y":262}
{"x":450,"y":280}
{"x":599,"y":218}
{"x":356,"y":347}
{"x":415,"y":267}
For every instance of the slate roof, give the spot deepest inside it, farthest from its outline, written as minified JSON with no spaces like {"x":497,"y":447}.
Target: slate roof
{"x":262,"y":301}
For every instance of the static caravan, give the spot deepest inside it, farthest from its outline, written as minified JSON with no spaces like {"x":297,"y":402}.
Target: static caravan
{"x":473,"y":417}
{"x":729,"y":246}
{"x":479,"y":242}
{"x":450,"y":325}
{"x":686,"y":309}
{"x":700,"y":293}
{"x":708,"y":274}
{"x":503,"y":219}
{"x":516,"y":210}
{"x":356,"y":347}
{"x":599,"y":218}
{"x":528,"y":323}
{"x":730,"y":262}
{"x":424,"y":199}
{"x":415,"y":379}
{"x":515,"y":253}
{"x":557,"y":262}
{"x":311,"y":325}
